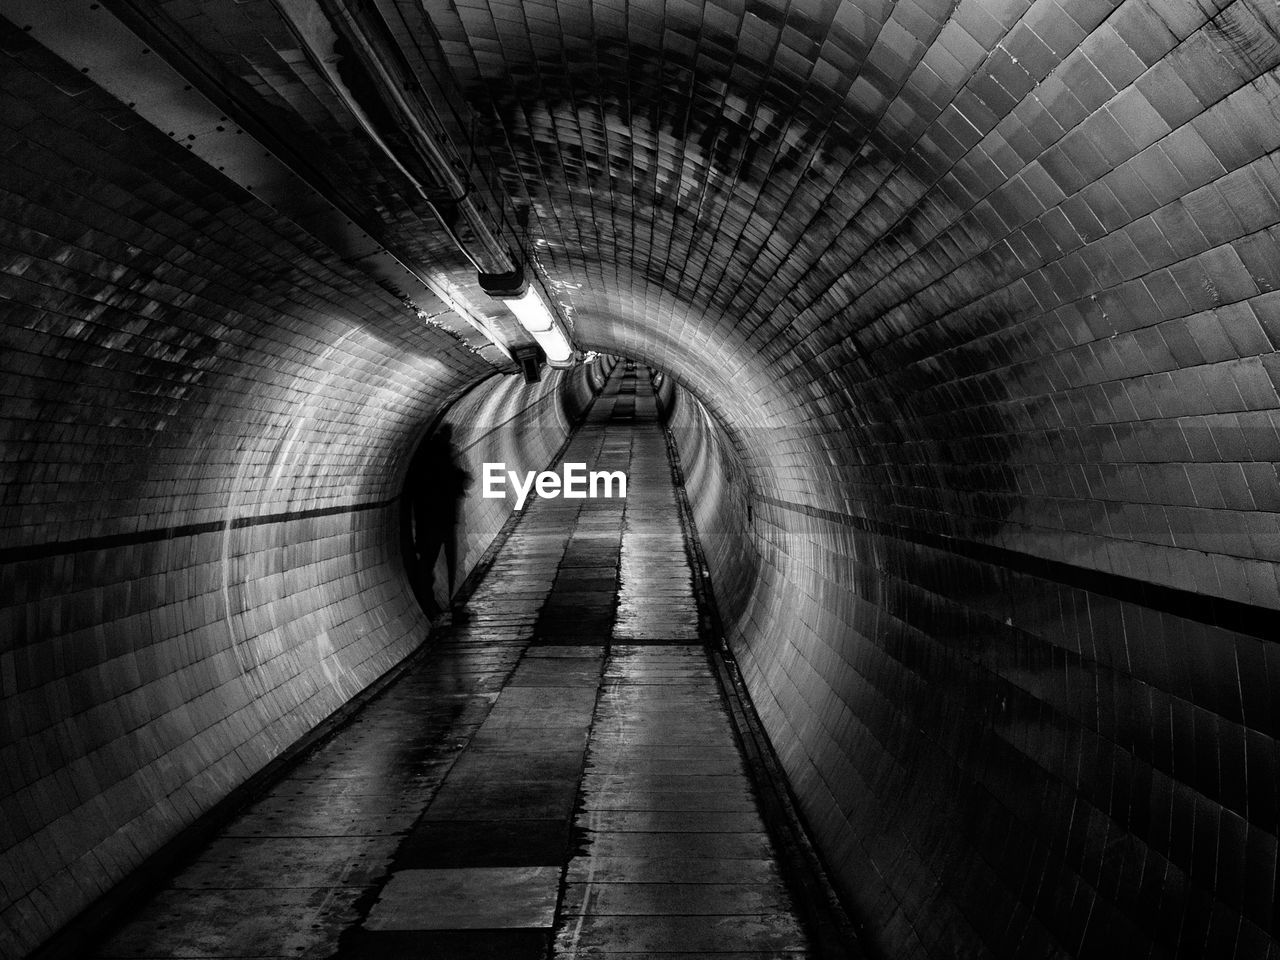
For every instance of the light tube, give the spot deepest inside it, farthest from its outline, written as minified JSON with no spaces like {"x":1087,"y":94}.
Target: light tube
{"x":553,"y":344}
{"x":532,"y":312}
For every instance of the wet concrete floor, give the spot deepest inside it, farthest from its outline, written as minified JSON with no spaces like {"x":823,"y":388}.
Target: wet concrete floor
{"x":556,"y":777}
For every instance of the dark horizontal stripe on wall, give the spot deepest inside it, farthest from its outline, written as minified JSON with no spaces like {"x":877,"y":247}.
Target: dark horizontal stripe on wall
{"x":1233,"y":615}
{"x":39,"y":551}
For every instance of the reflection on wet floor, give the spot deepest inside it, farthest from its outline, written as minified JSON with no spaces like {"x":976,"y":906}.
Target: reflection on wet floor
{"x":556,"y":776}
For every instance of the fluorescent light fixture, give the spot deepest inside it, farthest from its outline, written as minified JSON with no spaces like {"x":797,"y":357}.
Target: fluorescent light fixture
{"x":531,"y":312}
{"x":553,"y":344}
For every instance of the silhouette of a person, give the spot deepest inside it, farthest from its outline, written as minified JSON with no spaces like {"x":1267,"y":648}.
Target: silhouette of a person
{"x":437,"y":485}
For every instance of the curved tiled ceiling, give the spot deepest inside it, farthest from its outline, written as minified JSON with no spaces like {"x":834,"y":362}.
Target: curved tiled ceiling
{"x":940,"y":225}
{"x":982,"y":300}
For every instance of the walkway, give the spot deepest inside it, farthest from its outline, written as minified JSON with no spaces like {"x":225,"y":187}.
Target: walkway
{"x":556,"y":777}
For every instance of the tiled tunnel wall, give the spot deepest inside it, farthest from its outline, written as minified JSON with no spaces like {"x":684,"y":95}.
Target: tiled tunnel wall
{"x":1001,"y":754}
{"x":206,"y":422}
{"x":719,"y":495}
{"x":985,"y":308}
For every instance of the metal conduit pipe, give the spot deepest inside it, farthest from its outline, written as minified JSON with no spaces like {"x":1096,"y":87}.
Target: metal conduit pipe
{"x":363,"y":28}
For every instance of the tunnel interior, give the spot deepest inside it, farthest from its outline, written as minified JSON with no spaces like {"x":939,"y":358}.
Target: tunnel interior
{"x":966,"y":316}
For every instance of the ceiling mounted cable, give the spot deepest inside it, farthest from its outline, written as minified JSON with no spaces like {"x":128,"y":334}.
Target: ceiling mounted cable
{"x":360,"y":28}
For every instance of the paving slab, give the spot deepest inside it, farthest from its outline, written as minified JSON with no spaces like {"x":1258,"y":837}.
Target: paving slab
{"x":295,"y":922}
{"x":671,"y":870}
{"x":517,"y":944}
{"x":677,"y":844}
{"x":484,"y":843}
{"x":707,"y":935}
{"x":665,"y":821}
{"x":674,"y":899}
{"x":506,"y":800}
{"x":244,"y":863}
{"x":466,"y":898}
